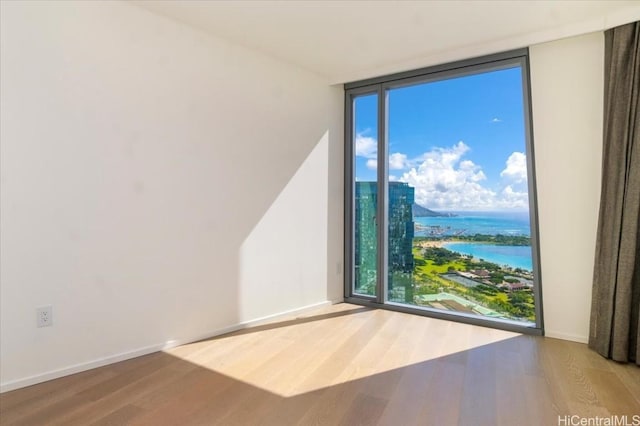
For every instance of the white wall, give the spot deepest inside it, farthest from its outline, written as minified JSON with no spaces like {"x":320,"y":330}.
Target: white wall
{"x":158,"y":185}
{"x":567,"y":95}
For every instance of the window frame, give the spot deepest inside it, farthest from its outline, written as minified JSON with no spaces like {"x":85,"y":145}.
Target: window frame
{"x":381,"y":86}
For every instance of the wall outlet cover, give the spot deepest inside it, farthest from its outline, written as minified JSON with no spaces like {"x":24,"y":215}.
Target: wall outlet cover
{"x":44,"y":316}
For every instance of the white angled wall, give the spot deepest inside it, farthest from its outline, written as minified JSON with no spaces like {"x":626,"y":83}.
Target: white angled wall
{"x":158,"y":185}
{"x":567,"y":95}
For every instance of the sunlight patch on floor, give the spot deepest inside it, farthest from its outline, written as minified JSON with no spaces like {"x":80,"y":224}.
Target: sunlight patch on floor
{"x":298,"y":358}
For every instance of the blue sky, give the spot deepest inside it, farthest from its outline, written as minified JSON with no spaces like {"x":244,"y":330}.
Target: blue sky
{"x":460,"y":142}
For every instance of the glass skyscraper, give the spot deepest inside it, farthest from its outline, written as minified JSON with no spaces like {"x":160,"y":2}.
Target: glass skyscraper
{"x":400,"y":234}
{"x":366,"y":242}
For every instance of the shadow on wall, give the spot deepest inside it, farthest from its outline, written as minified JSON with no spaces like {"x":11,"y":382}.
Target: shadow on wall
{"x":335,"y":205}
{"x":283,"y":260}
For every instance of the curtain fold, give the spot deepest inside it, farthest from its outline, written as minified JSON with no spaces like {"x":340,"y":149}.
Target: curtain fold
{"x":615,"y":323}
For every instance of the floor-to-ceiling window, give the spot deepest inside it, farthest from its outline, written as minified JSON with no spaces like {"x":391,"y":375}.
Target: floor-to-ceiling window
{"x":366,"y":195}
{"x":441,"y":215}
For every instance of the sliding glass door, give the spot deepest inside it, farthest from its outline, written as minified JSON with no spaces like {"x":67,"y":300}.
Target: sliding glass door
{"x":441,"y":216}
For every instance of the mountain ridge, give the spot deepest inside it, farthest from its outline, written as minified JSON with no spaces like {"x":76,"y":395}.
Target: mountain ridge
{"x":419,"y":211}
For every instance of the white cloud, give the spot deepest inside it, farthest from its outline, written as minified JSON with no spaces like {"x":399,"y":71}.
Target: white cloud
{"x":397,"y":161}
{"x":516,"y":170}
{"x":496,"y":120}
{"x":512,"y":199}
{"x":366,"y":146}
{"x":442,"y":181}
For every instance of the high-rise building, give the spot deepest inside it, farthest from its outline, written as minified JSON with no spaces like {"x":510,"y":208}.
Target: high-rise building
{"x":366,"y":237}
{"x":400,"y":239}
{"x":401,"y":198}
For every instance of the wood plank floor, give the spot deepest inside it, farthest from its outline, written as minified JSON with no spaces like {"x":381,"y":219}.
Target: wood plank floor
{"x":342,"y":365}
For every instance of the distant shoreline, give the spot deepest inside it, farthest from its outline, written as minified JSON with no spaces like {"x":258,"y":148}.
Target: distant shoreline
{"x":433,"y":243}
{"x":475,"y":256}
{"x":489,"y":239}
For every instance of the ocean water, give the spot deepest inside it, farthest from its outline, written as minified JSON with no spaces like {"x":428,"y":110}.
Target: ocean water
{"x":514,"y":256}
{"x":471,"y":223}
{"x":488,"y":223}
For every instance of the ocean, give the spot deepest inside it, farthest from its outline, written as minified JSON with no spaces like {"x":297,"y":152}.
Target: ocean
{"x":488,"y":223}
{"x":514,"y":256}
{"x":471,"y":223}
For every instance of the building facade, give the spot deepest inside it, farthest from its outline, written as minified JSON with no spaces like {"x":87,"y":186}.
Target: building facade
{"x":400,"y":234}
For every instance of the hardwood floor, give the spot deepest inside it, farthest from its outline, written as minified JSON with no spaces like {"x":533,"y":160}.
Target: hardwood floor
{"x":343,"y":365}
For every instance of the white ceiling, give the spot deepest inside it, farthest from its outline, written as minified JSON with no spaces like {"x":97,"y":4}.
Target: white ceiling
{"x":351,"y":40}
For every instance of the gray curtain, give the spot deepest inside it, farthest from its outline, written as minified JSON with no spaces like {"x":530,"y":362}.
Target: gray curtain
{"x":614,"y":329}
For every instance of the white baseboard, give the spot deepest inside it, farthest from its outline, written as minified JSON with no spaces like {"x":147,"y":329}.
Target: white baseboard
{"x":100,"y":362}
{"x":77,"y":368}
{"x":566,"y":336}
{"x":245,"y":324}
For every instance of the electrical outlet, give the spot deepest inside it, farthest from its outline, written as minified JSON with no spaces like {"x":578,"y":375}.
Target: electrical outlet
{"x":45,"y":316}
